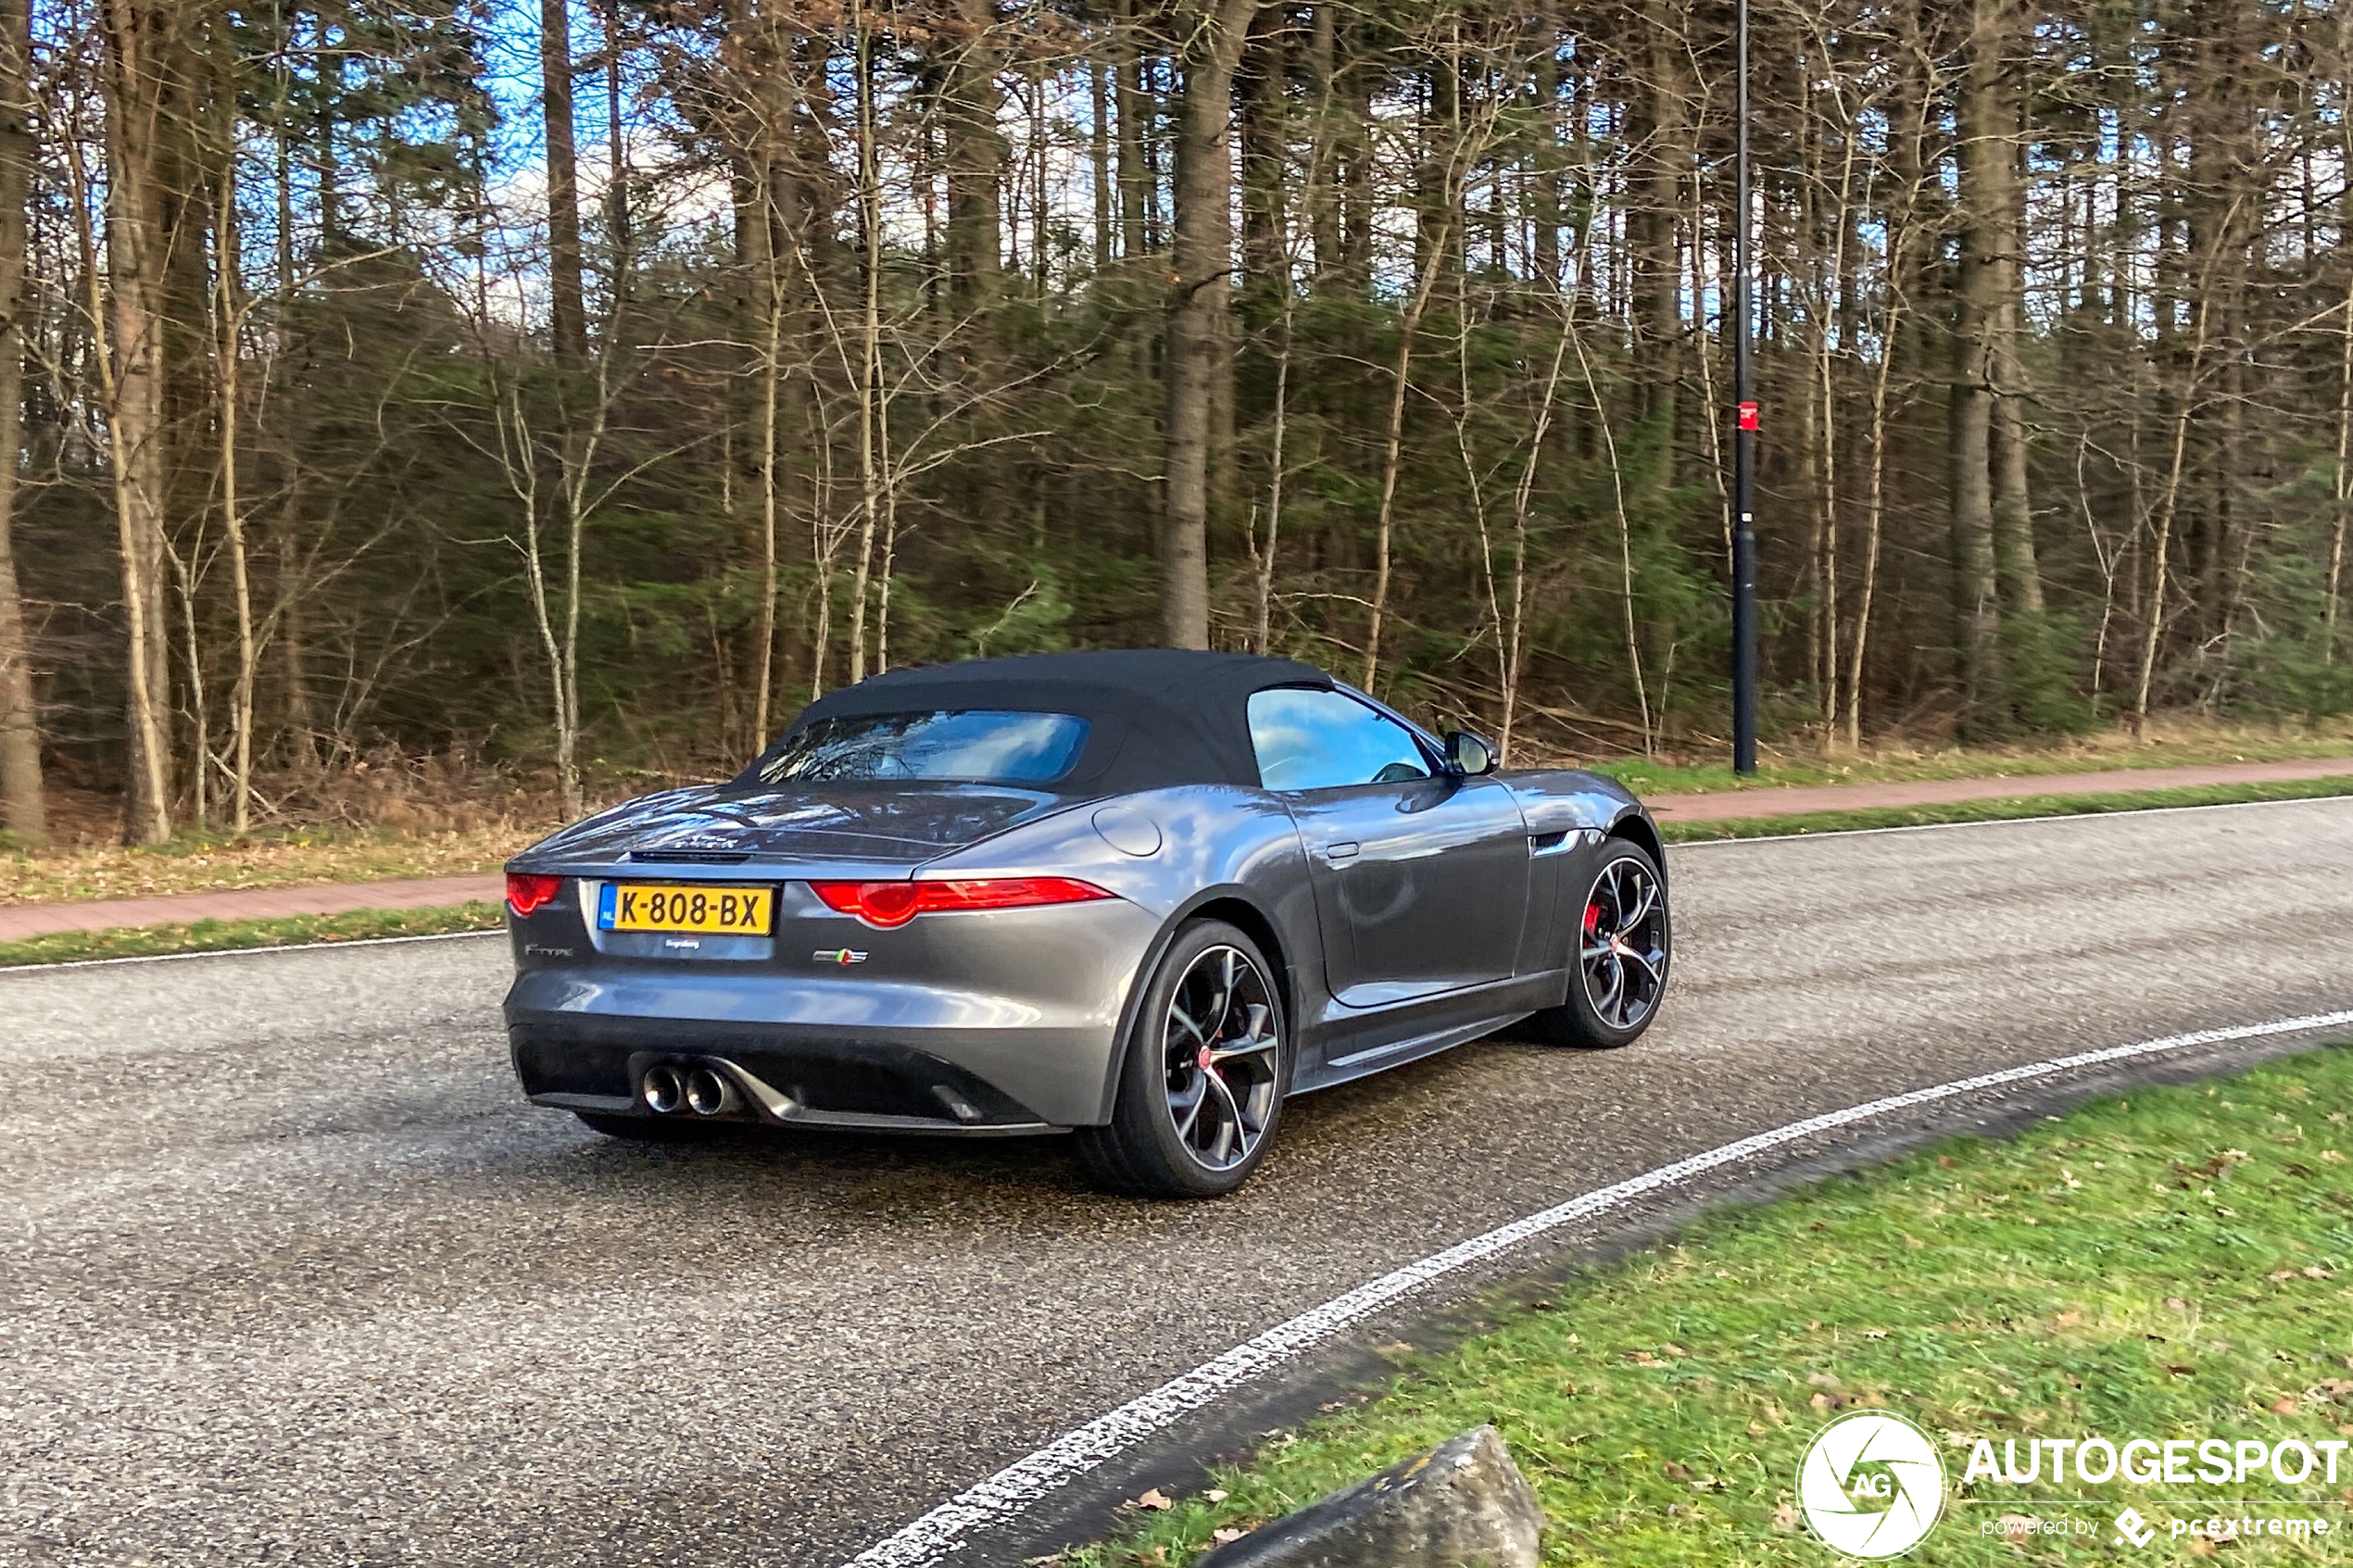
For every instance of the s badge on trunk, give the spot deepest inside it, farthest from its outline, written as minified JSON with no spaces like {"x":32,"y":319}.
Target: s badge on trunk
{"x":839,"y":955}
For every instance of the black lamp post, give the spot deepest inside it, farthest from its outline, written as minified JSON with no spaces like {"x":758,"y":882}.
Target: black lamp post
{"x":1743,"y":437}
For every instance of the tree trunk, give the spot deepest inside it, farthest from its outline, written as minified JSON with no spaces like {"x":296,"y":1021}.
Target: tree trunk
{"x":1263,"y":555}
{"x":1263,"y":140}
{"x":1409,"y":328}
{"x":1098,"y":160}
{"x":1323,"y":174}
{"x":970,"y":99}
{"x":1898,"y":341}
{"x":617,"y":229}
{"x":1134,"y":107}
{"x":2342,"y":481}
{"x":566,"y":304}
{"x":766,"y":227}
{"x":871,"y":411}
{"x":569,"y":328}
{"x":1354,"y":158}
{"x":765,"y":643}
{"x":146,"y":79}
{"x":1654,"y":206}
{"x":2000,"y":206}
{"x":1984,"y":149}
{"x":2160,"y":543}
{"x":2343,"y":476}
{"x":20,"y":791}
{"x":1437,"y":162}
{"x":1544,"y":159}
{"x":1201,"y":265}
{"x":228,"y":316}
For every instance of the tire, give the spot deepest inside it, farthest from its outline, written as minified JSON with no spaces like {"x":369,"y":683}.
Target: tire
{"x":1173,"y":1133}
{"x":1615,"y":986}
{"x":644,"y":1129}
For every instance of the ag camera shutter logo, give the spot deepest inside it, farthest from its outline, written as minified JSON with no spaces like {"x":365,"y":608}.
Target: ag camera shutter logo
{"x":1871,"y":1484}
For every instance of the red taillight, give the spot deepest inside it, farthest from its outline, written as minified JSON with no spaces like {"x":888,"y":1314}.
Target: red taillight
{"x":890,"y":904}
{"x":526,"y":892}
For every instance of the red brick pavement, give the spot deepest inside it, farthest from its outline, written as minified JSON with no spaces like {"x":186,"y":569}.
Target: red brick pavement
{"x":19,"y":922}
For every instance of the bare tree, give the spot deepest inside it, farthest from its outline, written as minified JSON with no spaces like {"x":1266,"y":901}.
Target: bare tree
{"x":20,"y":791}
{"x":1212,"y":34}
{"x":148,"y":79}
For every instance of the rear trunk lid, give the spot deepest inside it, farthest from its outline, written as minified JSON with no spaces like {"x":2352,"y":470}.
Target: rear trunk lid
{"x":866,"y":825}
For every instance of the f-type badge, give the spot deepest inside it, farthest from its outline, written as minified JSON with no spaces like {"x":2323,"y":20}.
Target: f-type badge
{"x":839,"y":955}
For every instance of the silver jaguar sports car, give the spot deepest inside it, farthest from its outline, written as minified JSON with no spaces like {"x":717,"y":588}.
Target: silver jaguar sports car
{"x":1140,"y":896}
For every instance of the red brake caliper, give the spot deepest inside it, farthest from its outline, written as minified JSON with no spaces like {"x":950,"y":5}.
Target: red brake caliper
{"x":1592,"y":920}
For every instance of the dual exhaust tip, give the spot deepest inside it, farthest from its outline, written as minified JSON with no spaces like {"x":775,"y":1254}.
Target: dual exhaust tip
{"x":668,"y":1088}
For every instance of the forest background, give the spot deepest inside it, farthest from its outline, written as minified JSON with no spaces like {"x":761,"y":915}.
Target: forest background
{"x":575,"y":389}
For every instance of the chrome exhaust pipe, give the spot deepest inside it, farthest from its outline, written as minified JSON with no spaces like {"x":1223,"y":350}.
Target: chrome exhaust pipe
{"x":664,"y":1090}
{"x":711,"y":1093}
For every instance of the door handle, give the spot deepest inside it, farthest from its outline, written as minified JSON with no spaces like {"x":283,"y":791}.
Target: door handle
{"x":1344,"y":851}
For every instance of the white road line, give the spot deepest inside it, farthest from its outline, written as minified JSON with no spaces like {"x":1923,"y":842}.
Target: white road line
{"x":1011,"y":1490}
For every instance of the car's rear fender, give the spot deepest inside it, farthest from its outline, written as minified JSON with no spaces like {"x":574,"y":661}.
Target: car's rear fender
{"x":1237,"y":907}
{"x":1183,"y":854}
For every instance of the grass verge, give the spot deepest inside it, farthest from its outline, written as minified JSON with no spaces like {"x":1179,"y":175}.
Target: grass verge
{"x":2179,"y":745}
{"x":223,"y":936}
{"x":2003,"y":810}
{"x":2178,"y":1262}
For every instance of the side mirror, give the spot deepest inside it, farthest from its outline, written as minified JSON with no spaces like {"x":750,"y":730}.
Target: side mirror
{"x":1469,"y":755}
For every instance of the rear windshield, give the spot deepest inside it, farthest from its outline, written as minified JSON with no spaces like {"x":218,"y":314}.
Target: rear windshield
{"x":972,"y":745}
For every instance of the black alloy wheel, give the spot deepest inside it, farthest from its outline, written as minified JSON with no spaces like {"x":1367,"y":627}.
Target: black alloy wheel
{"x":1207,"y":1064}
{"x":1217,"y":1050}
{"x":1624,"y":946}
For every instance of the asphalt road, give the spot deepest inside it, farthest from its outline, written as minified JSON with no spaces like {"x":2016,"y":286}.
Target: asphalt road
{"x":288,"y":1273}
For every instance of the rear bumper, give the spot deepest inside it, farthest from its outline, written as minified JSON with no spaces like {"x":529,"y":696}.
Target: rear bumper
{"x":1013,"y":1027}
{"x":783,"y":1080}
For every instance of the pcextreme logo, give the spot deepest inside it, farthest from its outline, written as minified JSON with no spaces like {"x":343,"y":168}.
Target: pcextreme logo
{"x":1871,"y":1484}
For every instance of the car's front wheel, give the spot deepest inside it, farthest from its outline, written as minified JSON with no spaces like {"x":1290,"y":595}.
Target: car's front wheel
{"x":1624,"y":944}
{"x":1201,"y":1084}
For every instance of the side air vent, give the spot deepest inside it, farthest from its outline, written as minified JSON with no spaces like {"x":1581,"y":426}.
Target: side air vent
{"x":1551,"y":843}
{"x":689,"y":857}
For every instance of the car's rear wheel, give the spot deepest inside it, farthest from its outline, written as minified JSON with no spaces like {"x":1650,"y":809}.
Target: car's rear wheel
{"x":1625,"y":943}
{"x":1201,"y":1084}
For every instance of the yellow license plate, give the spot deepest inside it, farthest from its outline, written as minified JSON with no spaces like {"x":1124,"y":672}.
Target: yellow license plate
{"x":659,"y":906}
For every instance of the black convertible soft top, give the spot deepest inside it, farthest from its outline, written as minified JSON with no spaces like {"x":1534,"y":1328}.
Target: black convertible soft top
{"x":1156,"y":716}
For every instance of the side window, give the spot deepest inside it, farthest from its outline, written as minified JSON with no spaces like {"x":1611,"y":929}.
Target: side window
{"x":1309,"y":739}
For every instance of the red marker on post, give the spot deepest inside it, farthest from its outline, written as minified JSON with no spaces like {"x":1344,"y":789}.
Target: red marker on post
{"x":1748,"y":416}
